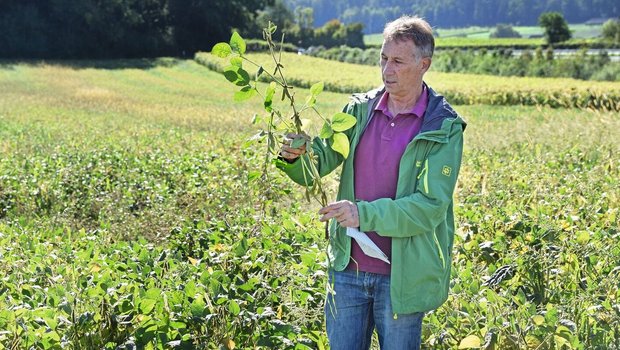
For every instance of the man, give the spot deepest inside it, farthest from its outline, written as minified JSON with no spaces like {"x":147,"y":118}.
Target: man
{"x":396,"y":186}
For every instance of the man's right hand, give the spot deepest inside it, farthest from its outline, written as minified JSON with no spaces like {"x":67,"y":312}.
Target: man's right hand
{"x":289,"y":153}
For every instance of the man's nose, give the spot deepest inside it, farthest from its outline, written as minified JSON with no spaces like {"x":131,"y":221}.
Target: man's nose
{"x":388,"y":68}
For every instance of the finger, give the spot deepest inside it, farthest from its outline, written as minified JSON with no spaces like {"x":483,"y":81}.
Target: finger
{"x":328,"y":215}
{"x":329,"y":208}
{"x":290,"y":149}
{"x":293,"y":152}
{"x":341,"y":215}
{"x":332,"y":206}
{"x":297,"y":151}
{"x":325,"y":210}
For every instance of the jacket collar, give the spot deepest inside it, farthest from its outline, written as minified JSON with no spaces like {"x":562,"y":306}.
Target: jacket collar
{"x":437,"y":110}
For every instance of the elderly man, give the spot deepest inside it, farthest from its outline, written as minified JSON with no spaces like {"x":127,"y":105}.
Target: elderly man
{"x":396,"y":186}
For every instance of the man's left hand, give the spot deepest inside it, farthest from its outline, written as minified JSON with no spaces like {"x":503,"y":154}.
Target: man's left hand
{"x":345,"y":212}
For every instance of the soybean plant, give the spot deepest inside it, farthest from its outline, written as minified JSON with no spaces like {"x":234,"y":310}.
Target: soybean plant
{"x":280,"y":122}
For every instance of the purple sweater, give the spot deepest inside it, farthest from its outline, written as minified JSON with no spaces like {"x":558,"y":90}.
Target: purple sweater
{"x":377,"y":158}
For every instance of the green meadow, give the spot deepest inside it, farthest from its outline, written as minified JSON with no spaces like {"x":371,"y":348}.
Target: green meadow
{"x":133,"y":214}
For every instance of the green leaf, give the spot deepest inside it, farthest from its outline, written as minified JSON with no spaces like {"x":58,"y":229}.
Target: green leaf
{"x":583,"y":237}
{"x":237,"y":75}
{"x":222,"y":50}
{"x":253,"y":175}
{"x":259,"y":72}
{"x":236,"y":61}
{"x":147,"y":305}
{"x":272,"y":28}
{"x":197,"y":308}
{"x":298,"y":142}
{"x":342,"y":121}
{"x":234,"y":308}
{"x":271,"y":90}
{"x":552,"y":314}
{"x":177,"y":325}
{"x":563,"y":332}
{"x":241,"y":247}
{"x":310,"y":101}
{"x":340,"y":144}
{"x":316,"y":89}
{"x":153,"y":293}
{"x":326,"y":131}
{"x":190,"y":289}
{"x":52,"y":336}
{"x":538,"y":319}
{"x":237,"y":43}
{"x":470,"y":342}
{"x":245,"y":93}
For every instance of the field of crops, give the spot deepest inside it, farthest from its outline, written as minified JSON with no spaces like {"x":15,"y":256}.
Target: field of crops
{"x":132,"y":216}
{"x":459,"y":88}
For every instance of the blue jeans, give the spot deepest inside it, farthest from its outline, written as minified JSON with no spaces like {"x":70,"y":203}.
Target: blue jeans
{"x":361,"y":303}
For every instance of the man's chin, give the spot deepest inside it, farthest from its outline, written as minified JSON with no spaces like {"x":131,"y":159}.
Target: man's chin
{"x":388,"y":86}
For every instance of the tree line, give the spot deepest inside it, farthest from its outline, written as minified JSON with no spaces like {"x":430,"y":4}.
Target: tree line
{"x":119,"y":28}
{"x":450,"y":13}
{"x":151,"y":28}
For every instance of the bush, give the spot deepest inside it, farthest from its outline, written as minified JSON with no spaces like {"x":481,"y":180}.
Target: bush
{"x":257,"y":45}
{"x":607,"y":73}
{"x":556,"y":28}
{"x":611,"y":31}
{"x":505,"y":31}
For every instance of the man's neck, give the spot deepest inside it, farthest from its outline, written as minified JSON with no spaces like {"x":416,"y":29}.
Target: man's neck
{"x":400,"y":104}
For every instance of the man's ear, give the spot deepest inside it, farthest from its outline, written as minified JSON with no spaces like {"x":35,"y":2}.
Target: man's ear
{"x":426,"y":63}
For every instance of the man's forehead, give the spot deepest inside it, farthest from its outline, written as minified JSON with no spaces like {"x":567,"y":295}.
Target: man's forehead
{"x":398,"y":45}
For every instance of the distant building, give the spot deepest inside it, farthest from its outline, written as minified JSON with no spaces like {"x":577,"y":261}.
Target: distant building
{"x":597,"y":21}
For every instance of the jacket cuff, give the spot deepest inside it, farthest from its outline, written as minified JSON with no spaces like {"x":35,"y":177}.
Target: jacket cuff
{"x":284,"y":164}
{"x":364,"y":216}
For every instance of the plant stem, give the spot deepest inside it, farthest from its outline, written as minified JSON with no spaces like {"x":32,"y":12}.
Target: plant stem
{"x":317,"y":191}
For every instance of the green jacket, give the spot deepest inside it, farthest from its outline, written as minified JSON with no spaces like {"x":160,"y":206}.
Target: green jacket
{"x":420,"y":219}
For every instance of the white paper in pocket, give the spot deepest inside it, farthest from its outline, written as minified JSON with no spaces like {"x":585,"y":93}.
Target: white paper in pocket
{"x":368,"y":246}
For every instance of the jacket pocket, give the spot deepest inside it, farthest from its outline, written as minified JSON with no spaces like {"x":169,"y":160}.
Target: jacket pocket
{"x":439,"y":251}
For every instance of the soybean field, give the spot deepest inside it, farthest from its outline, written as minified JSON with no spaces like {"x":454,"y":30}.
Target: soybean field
{"x":133,"y":213}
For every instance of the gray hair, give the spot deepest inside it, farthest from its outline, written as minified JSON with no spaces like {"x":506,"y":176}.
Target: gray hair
{"x":412,"y":28}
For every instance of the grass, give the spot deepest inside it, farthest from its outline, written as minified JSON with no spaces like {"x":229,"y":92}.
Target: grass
{"x":133,"y":215}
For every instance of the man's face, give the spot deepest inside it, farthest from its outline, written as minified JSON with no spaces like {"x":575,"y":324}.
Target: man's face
{"x":402,"y":68}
